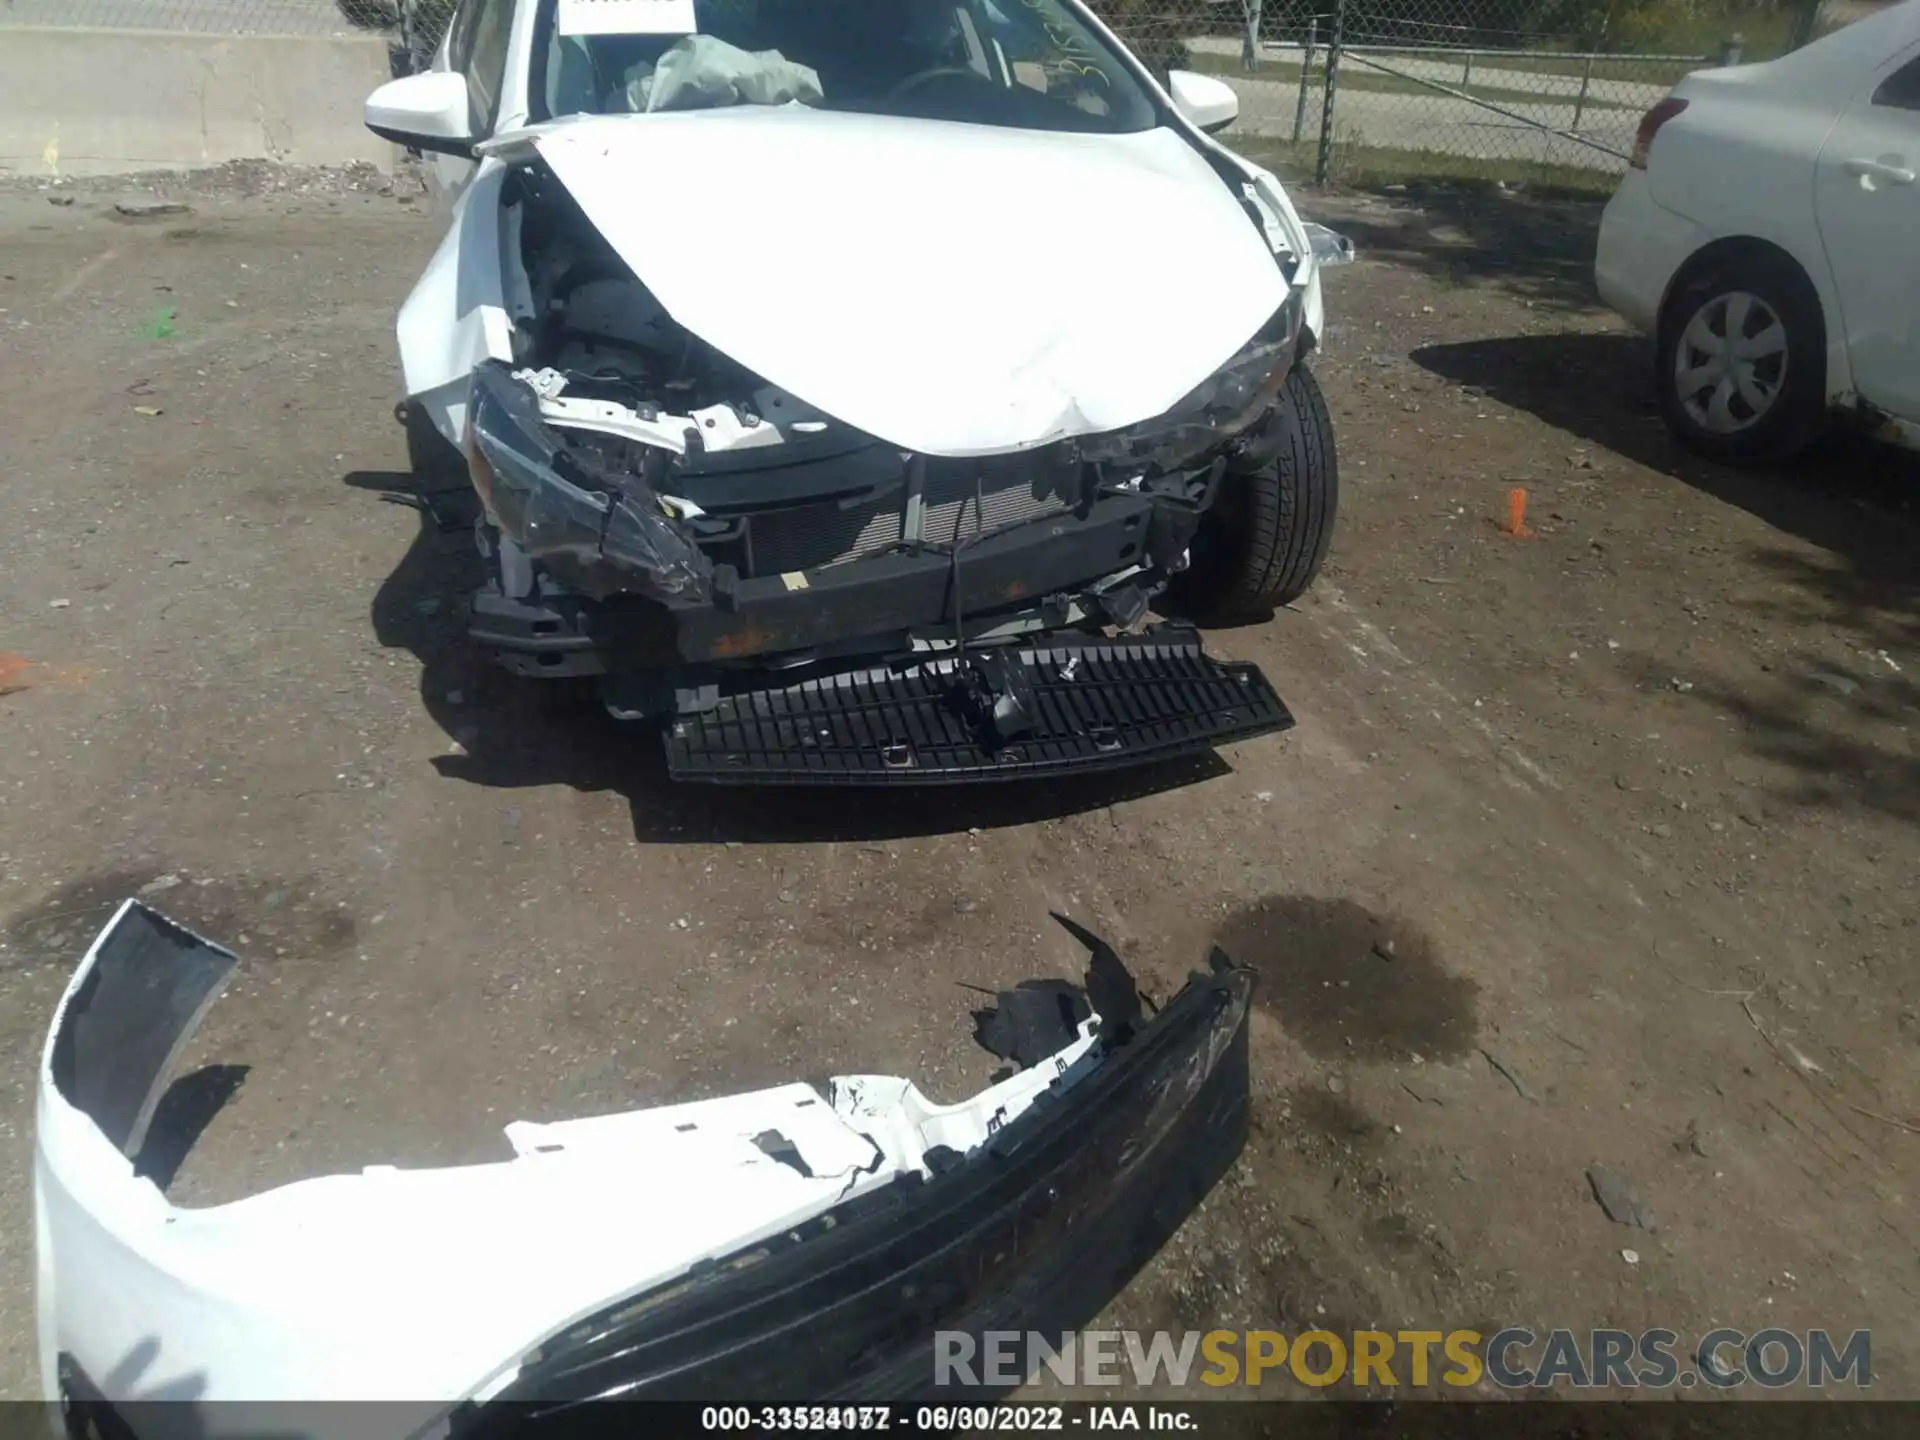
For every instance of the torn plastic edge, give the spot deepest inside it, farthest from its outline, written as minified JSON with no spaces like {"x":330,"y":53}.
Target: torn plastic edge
{"x":1037,"y":1228}
{"x":114,"y":1066}
{"x":1330,"y":247}
{"x":600,"y":535}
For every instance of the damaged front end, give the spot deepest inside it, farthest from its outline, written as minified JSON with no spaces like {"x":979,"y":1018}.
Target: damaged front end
{"x":789,"y":1244}
{"x":744,"y":561}
{"x":724,"y":557}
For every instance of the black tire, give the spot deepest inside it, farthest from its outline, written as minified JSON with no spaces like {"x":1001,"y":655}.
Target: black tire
{"x":1796,"y":376}
{"x":1262,"y":542}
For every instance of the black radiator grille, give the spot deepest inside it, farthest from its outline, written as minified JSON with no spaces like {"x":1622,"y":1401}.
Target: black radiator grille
{"x":1097,"y":704}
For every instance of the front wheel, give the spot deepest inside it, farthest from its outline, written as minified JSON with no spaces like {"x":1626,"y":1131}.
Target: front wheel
{"x":1262,"y":542}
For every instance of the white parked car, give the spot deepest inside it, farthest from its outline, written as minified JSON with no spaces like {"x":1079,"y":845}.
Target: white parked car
{"x":1768,"y":235}
{"x":881,"y":356}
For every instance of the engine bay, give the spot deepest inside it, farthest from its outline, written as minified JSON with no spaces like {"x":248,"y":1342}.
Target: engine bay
{"x":611,"y":368}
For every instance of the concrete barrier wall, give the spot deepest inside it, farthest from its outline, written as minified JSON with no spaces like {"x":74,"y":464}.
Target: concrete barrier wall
{"x":101,"y":102}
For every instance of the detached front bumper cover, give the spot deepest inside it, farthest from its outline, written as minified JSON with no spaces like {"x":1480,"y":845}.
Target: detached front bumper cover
{"x":785,"y":1244}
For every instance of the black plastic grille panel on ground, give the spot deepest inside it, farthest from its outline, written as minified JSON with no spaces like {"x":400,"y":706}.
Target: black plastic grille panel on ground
{"x":1125,"y":702}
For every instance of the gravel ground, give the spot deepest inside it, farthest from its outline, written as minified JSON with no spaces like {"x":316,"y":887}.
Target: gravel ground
{"x":1634,"y":801}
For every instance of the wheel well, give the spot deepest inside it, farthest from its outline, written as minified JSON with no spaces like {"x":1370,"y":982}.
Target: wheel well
{"x":1739,"y":249}
{"x":1747,"y":250}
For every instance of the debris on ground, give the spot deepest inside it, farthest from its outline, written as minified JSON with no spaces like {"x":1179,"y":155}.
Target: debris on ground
{"x":1511,"y":1076}
{"x":13,"y":673}
{"x":1422,"y":1095}
{"x":1516,"y":526}
{"x":1619,"y":1198}
{"x":1691,"y":1143}
{"x":141,"y":207}
{"x":1026,"y":1024}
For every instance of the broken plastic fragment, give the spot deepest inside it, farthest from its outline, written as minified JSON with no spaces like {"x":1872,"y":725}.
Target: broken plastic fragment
{"x":590,"y":1263}
{"x":1330,"y":247}
{"x":598,"y":534}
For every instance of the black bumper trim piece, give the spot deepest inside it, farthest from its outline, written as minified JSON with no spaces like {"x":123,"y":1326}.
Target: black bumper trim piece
{"x":1094,"y":705}
{"x":1035,"y":1231}
{"x":882,"y":595}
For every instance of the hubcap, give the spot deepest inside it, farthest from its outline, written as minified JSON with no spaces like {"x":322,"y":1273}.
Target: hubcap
{"x":1730,"y":366}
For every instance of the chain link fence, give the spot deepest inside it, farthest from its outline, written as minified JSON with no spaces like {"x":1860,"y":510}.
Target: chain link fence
{"x":1514,"y":90}
{"x":1336,"y":90}
{"x":413,"y":27}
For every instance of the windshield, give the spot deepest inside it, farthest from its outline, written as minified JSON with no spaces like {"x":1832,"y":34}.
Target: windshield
{"x":1032,"y":64}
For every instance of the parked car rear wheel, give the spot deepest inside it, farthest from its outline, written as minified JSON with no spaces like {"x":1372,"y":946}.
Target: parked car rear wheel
{"x":1263,"y":540}
{"x":1740,"y":367}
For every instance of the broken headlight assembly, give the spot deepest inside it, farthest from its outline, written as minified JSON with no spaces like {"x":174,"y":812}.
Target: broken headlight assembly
{"x":1221,"y":407}
{"x":599,"y":534}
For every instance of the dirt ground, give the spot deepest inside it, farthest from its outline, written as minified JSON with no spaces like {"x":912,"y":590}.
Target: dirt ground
{"x":1634,"y":802}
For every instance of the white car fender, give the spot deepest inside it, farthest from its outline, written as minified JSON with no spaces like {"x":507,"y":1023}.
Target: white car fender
{"x":457,"y":315}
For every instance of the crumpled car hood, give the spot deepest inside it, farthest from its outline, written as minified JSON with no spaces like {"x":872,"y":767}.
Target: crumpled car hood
{"x":953,"y":289}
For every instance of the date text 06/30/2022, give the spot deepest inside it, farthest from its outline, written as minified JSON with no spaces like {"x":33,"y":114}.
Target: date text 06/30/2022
{"x":947,"y":1419}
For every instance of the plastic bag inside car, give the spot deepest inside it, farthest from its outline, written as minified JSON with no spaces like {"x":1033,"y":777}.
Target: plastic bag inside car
{"x":702,"y":71}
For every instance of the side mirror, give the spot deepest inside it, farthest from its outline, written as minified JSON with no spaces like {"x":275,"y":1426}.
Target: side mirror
{"x":1209,"y":104}
{"x":428,"y":111}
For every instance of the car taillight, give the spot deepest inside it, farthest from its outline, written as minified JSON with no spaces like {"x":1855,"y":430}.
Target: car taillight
{"x":1650,"y":124}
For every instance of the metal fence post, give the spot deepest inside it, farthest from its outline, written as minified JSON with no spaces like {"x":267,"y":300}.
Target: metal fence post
{"x":1586,"y":83}
{"x":1250,"y":45}
{"x":1306,"y":70}
{"x":1323,"y":166}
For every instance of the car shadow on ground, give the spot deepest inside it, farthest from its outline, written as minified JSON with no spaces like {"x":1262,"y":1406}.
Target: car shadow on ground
{"x":1537,"y":248}
{"x":504,"y":734}
{"x":1836,"y":716}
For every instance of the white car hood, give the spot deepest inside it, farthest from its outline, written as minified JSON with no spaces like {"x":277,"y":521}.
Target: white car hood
{"x":953,"y":289}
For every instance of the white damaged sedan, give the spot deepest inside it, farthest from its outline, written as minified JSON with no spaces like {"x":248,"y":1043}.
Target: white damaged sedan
{"x":905,"y":349}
